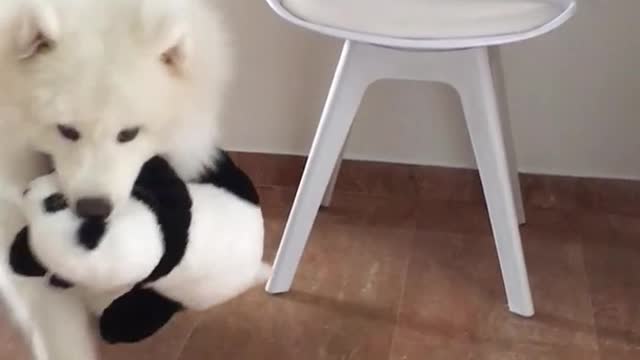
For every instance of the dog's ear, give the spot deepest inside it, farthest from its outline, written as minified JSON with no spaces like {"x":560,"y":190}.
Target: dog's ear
{"x":166,"y":29}
{"x":36,"y":29}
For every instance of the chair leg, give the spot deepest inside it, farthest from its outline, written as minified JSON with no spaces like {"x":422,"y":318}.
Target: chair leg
{"x":328,"y":192}
{"x":348,"y":87}
{"x":482,"y":113}
{"x":498,"y":80}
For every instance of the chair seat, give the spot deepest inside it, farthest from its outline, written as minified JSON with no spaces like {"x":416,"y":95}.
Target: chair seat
{"x":428,"y":19}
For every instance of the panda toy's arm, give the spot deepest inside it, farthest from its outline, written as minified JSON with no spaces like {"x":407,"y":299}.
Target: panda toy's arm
{"x":223,"y":257}
{"x":142,"y":311}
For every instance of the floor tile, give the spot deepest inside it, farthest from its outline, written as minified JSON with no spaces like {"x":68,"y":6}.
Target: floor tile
{"x":612,"y":253}
{"x":454,"y":304}
{"x":615,"y":196}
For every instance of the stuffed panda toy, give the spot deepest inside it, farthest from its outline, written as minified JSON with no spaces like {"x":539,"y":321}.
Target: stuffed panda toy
{"x":173,"y":246}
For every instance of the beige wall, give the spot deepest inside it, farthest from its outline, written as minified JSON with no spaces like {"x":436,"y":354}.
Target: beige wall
{"x":574,"y":97}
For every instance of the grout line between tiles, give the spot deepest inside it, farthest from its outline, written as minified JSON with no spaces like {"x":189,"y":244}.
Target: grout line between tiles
{"x":589,"y":291}
{"x":187,"y":338}
{"x":403,"y":287}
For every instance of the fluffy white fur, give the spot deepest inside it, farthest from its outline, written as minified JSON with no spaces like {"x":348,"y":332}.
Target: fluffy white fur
{"x":36,"y":309}
{"x":99,"y":66}
{"x":64,"y":329}
{"x":223,"y":256}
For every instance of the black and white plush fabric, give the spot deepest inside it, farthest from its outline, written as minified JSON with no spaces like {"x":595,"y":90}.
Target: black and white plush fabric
{"x":174,"y":245}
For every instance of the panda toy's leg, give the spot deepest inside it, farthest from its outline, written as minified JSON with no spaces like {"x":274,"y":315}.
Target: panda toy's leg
{"x":136,"y":315}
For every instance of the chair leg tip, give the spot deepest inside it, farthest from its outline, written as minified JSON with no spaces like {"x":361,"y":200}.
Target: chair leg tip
{"x":275,"y":290}
{"x":524,"y":311}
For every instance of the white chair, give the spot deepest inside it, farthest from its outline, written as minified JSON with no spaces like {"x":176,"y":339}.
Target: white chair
{"x":448,"y":41}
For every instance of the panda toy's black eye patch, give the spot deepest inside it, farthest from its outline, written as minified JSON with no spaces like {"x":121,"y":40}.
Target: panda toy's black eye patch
{"x":26,"y":191}
{"x":54,"y":203}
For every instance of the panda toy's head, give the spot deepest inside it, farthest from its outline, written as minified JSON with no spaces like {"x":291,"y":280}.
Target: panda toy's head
{"x":102,"y":254}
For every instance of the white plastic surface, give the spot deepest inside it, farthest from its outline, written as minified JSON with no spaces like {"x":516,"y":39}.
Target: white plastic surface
{"x":428,"y":24}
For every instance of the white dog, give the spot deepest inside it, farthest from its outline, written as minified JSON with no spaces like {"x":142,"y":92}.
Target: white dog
{"x":100,"y":86}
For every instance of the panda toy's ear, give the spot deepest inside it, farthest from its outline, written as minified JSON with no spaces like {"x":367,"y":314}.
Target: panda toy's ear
{"x":224,"y":174}
{"x":21,"y":258}
{"x":156,"y":174}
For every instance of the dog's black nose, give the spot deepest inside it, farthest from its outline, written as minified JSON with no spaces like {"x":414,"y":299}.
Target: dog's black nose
{"x":91,"y":207}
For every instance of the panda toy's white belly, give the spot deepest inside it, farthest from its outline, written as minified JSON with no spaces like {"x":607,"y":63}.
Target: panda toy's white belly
{"x":224,"y":252}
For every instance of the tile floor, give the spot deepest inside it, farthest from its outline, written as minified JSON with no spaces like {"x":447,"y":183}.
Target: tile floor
{"x":403,"y":267}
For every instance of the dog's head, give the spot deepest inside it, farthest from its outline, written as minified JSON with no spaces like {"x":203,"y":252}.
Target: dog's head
{"x":102,"y":86}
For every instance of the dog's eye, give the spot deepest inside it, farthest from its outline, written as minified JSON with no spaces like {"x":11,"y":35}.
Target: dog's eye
{"x":128,"y":135}
{"x":69,"y":133}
